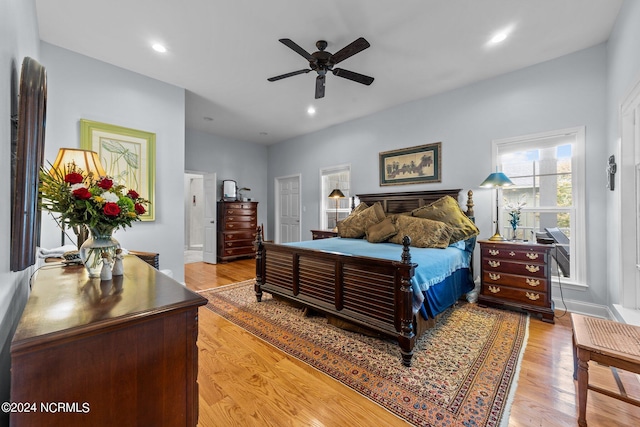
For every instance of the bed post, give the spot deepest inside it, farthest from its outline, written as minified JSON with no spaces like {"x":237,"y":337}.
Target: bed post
{"x":259,"y":265}
{"x":470,"y":213}
{"x":407,"y":336}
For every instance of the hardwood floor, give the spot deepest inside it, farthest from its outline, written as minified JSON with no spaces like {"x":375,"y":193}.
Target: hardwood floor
{"x":244,"y":381}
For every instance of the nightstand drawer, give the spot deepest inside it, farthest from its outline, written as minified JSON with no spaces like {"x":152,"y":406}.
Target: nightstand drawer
{"x":529,"y":283}
{"x":505,"y":293}
{"x":522,"y":268}
{"x":530,"y":256}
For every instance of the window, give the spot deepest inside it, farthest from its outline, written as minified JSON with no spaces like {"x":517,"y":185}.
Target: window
{"x":331,"y":178}
{"x":546,"y":170}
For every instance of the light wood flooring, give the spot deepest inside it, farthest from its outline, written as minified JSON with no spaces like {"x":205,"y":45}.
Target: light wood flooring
{"x":246,"y":382}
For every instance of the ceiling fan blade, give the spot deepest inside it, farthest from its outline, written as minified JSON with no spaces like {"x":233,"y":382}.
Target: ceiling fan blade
{"x":350,"y":50}
{"x":320,"y":86}
{"x":292,"y":45}
{"x":360,"y":78}
{"x":284,"y":76}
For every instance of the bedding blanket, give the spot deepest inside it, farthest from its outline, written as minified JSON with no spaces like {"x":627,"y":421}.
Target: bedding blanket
{"x":441,"y":277}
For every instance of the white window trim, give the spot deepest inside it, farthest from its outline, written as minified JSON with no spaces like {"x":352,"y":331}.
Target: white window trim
{"x":578,"y":160}
{"x":323,"y":205}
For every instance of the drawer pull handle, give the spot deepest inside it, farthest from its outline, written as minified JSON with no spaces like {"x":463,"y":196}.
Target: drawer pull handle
{"x":229,"y":212}
{"x":512,"y":253}
{"x":532,"y":296}
{"x":493,"y":263}
{"x":493,"y":252}
{"x":494,"y":276}
{"x":532,"y":268}
{"x":230,"y":218}
{"x":494,"y":289}
{"x":230,"y":225}
{"x":229,"y":244}
{"x":533,"y":282}
{"x":532,"y":255}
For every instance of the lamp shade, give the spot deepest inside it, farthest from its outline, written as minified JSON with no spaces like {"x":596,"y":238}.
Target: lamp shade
{"x":86,"y":160}
{"x":336,"y":194}
{"x":496,"y":179}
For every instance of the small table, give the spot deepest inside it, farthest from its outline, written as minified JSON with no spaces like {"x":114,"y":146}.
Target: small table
{"x":323,"y":234}
{"x":609,"y":343}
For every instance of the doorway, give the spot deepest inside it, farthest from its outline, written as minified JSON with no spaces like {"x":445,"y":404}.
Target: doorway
{"x":288,"y":209}
{"x":194,"y":217}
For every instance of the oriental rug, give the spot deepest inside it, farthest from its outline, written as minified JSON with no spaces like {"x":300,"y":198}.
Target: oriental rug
{"x":464,"y":370}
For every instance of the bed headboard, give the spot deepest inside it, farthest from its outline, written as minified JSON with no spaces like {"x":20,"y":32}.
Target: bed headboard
{"x":407,"y":201}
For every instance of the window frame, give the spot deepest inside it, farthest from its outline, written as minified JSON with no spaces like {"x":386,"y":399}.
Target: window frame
{"x":324,"y":205}
{"x":578,"y":182}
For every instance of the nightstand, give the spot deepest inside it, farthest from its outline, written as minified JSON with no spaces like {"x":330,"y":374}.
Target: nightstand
{"x":323,"y":234}
{"x":517,"y":275}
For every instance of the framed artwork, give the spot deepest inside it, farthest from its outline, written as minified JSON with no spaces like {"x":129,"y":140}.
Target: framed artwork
{"x":413,"y":165}
{"x":127,"y":155}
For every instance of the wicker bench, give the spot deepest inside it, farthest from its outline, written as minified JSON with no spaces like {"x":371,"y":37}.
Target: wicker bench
{"x":606,"y":342}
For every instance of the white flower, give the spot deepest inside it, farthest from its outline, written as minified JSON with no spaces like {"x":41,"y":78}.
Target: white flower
{"x":74,"y":187}
{"x":110,"y":197}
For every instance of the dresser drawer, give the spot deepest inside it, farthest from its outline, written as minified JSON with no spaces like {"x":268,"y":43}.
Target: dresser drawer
{"x":240,"y":218}
{"x":523,"y":268}
{"x":239,"y":205}
{"x":524,"y":296}
{"x":239,"y":225}
{"x":238,"y":251}
{"x":520,"y":254}
{"x":529,"y":283}
{"x":239,"y":235}
{"x":238,"y":244}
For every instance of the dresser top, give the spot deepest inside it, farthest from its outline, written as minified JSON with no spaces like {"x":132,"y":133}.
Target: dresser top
{"x":64,"y":301}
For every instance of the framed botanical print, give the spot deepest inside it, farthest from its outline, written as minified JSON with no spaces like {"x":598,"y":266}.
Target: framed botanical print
{"x":413,"y":165}
{"x":127,"y":155}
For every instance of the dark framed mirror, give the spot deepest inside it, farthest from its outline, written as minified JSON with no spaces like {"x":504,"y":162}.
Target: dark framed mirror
{"x":27,"y":155}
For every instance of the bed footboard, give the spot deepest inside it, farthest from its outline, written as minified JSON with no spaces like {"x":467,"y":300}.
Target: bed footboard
{"x":369,"y":292}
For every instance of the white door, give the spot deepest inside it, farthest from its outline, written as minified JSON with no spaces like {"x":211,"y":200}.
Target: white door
{"x":210,"y":199}
{"x":288,"y":214}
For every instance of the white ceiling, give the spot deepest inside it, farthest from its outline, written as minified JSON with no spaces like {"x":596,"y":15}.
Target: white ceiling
{"x":223,"y":51}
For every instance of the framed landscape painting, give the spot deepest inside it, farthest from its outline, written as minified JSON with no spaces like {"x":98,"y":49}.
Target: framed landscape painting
{"x":413,"y":165}
{"x":127,"y":155}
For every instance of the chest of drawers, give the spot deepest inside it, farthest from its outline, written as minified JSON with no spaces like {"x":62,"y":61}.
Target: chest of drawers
{"x":237,"y":224}
{"x":517,"y":275}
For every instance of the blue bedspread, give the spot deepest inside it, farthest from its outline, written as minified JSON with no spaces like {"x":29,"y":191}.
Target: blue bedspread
{"x":434,"y":266}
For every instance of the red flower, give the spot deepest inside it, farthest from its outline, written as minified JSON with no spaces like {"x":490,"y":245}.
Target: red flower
{"x":73,"y":178}
{"x":105,"y":183}
{"x":139,"y":208}
{"x":111,"y":209}
{"x":82,"y":193}
{"x":133,"y":194}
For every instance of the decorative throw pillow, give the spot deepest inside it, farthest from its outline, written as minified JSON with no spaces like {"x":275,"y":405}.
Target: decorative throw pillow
{"x":447,"y":210}
{"x":424,"y":233}
{"x":381,"y":231}
{"x":355,"y":225}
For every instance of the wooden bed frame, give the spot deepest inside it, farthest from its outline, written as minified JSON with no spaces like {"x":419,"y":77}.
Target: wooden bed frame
{"x":369,"y":292}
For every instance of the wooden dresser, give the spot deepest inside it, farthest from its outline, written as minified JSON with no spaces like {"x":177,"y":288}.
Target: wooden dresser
{"x":237,"y":224}
{"x":121,"y":352}
{"x":517,"y":275}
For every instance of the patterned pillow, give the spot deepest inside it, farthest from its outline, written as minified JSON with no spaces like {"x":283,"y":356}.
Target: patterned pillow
{"x":424,"y":233}
{"x":381,"y":231}
{"x":447,"y":210}
{"x":355,"y":225}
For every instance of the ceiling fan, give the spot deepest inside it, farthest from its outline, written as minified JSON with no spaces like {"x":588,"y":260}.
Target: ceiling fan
{"x":322,"y":62}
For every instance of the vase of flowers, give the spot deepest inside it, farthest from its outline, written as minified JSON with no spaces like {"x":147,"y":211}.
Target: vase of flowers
{"x":97,"y":203}
{"x":514,"y":209}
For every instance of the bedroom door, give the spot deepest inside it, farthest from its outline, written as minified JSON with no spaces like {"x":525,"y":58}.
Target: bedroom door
{"x":210,"y":196}
{"x":288,"y":209}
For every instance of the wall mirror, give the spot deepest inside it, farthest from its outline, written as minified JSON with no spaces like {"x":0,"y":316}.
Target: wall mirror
{"x":229,"y":190}
{"x":27,"y":154}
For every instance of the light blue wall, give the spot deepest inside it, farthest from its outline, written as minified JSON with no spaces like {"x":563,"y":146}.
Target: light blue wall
{"x":623,"y":73}
{"x":84,"y":88}
{"x":566,"y":92}
{"x":18,"y":38}
{"x":244,"y":162}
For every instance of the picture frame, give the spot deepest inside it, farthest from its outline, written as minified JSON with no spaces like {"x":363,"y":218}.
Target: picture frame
{"x":128,"y":155}
{"x":413,"y":165}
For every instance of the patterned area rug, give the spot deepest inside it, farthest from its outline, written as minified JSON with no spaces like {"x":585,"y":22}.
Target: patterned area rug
{"x":464,"y":370}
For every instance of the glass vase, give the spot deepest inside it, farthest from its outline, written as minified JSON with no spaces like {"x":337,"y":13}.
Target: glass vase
{"x":100,"y":241}
{"x":514,"y":232}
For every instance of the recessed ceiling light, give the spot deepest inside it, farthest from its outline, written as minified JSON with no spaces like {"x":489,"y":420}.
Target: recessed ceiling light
{"x":311,"y":110}
{"x":500,"y":37}
{"x":159,"y":48}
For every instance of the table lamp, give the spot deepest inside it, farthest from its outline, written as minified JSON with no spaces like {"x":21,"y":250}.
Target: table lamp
{"x":336,"y":194}
{"x":497,"y":180}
